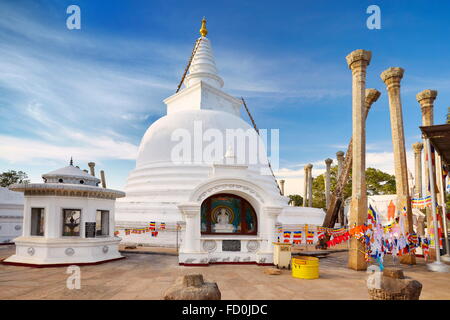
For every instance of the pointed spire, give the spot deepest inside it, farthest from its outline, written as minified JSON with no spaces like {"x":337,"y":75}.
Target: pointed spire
{"x":203,"y":65}
{"x":203,"y":30}
{"x":71,"y":161}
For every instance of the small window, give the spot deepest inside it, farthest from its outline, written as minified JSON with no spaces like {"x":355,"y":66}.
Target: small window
{"x":81,"y":181}
{"x":60,"y":180}
{"x":102,"y":223}
{"x":37,"y":222}
{"x":71,"y":222}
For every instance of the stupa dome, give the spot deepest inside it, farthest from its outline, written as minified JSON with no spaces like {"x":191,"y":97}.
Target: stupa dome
{"x":159,"y":141}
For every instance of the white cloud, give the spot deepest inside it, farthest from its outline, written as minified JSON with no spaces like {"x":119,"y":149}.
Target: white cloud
{"x":23,"y":150}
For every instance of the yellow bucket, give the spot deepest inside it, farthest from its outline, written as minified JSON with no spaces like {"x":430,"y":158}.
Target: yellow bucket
{"x":305,"y":267}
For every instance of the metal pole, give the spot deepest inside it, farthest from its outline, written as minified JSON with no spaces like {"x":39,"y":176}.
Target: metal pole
{"x":445,"y":257}
{"x":176,"y":227}
{"x":438,"y":265}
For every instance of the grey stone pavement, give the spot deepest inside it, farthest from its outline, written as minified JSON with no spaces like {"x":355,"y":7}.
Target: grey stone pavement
{"x":147,"y":276}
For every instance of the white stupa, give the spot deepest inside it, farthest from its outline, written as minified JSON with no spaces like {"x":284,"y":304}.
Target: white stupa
{"x":228,"y":202}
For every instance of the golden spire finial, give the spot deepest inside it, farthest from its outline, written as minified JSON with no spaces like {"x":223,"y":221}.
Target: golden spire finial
{"x":203,"y":30}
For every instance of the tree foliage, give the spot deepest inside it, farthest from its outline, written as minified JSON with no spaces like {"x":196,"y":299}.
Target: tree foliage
{"x":377,"y":181}
{"x":296,"y":200}
{"x":10,"y":177}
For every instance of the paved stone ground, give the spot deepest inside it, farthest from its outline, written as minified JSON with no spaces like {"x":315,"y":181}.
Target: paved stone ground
{"x":147,"y":276}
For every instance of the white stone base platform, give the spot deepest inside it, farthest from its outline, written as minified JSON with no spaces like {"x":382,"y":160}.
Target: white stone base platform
{"x":41,"y":252}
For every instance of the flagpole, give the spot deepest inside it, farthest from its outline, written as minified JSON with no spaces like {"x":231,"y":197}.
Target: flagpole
{"x":437,"y":266}
{"x":176,"y":227}
{"x":442,"y":185}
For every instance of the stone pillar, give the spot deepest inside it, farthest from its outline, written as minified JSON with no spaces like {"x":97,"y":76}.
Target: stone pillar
{"x":340,"y":161}
{"x":102,"y":175}
{"x":310,"y":186}
{"x":328,"y":182}
{"x":372,"y":95}
{"x":92,"y":168}
{"x":391,"y":77}
{"x":358,"y":61}
{"x":282,"y":186}
{"x":305,"y":187}
{"x":426,"y":100}
{"x":417,"y":148}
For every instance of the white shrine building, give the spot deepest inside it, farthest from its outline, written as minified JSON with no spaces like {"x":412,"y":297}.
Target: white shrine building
{"x":68,"y":219}
{"x":229,"y":204}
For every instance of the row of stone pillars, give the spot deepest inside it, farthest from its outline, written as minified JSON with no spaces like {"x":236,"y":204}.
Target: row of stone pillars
{"x":308,"y":180}
{"x":426,"y":100}
{"x":358,"y":61}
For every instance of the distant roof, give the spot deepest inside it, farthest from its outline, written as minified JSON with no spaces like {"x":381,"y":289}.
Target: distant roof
{"x":439,"y":136}
{"x":10,"y":197}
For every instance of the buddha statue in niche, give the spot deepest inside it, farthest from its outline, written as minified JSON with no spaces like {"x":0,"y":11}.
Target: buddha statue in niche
{"x":223,"y":221}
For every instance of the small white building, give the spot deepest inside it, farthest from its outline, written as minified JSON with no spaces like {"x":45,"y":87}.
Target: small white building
{"x":11,"y":212}
{"x":68,"y":219}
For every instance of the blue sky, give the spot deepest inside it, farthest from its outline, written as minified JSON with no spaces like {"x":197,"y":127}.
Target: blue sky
{"x":92,"y":93}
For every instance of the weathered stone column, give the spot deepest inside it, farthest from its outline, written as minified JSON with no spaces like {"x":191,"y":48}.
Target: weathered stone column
{"x":328,"y":182}
{"x":358,"y":61}
{"x":102,"y":175}
{"x":92,"y":168}
{"x":417,"y":148}
{"x":372,"y":96}
{"x":340,"y":161}
{"x":391,"y":77}
{"x":305,"y":187}
{"x":426,"y":100}
{"x":310,"y":186}
{"x":282,"y":186}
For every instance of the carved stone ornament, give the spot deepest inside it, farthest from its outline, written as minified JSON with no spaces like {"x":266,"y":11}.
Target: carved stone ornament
{"x":30,"y":251}
{"x":209,"y":245}
{"x":252,"y":246}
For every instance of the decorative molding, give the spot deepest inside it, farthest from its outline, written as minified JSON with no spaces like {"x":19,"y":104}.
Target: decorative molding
{"x":229,"y":186}
{"x":273,"y":211}
{"x":69,"y":251}
{"x":105,"y":249}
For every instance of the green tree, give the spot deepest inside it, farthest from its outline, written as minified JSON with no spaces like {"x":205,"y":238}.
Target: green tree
{"x":296,"y":199}
{"x":378,"y":182}
{"x":10,"y":177}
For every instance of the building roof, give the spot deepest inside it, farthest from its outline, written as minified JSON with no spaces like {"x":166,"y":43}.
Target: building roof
{"x":10,"y":197}
{"x":439,"y":136}
{"x":70,"y":171}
